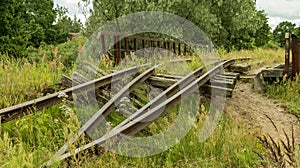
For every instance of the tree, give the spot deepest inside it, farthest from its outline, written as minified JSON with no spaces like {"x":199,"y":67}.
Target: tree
{"x":26,"y":23}
{"x":281,"y":29}
{"x":241,"y":23}
{"x":233,"y":24}
{"x":263,"y":34}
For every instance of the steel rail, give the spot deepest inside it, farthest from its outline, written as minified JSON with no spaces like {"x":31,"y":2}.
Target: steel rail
{"x":11,"y":113}
{"x":99,"y":116}
{"x":133,"y":125}
{"x":22,"y":109}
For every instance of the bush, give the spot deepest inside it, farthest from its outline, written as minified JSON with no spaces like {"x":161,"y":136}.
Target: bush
{"x":271,"y":45}
{"x":66,"y":53}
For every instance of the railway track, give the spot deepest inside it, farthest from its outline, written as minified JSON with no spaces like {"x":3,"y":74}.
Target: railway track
{"x":141,"y":118}
{"x":145,"y":115}
{"x":23,"y":109}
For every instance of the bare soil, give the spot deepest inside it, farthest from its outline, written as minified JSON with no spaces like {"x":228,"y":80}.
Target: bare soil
{"x":262,"y":114}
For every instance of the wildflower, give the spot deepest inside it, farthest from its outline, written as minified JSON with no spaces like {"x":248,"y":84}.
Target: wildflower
{"x":62,"y":95}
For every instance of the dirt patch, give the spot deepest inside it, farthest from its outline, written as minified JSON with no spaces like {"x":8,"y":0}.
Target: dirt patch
{"x":260,"y":113}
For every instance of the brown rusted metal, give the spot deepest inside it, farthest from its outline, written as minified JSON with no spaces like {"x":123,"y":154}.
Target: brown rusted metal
{"x":168,"y":45}
{"x":126,"y":45}
{"x":158,"y":46}
{"x":134,"y":45}
{"x":143,"y":47}
{"x":103,"y":42}
{"x":287,"y":54}
{"x":117,"y":49}
{"x":174,"y":48}
{"x":152,"y":47}
{"x":295,"y":56}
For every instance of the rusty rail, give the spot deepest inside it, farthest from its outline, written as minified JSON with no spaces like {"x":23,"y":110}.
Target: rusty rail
{"x":13,"y":112}
{"x":133,"y":124}
{"x":23,"y":109}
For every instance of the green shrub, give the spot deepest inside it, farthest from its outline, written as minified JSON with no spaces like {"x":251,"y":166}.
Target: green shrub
{"x":286,"y":92}
{"x":271,"y":45}
{"x":66,"y":53}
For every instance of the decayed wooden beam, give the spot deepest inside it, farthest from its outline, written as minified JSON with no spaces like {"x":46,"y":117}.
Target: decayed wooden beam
{"x":161,"y":82}
{"x":239,"y":68}
{"x":221,"y":83}
{"x":236,"y":75}
{"x":168,"y":76}
{"x":219,"y":91}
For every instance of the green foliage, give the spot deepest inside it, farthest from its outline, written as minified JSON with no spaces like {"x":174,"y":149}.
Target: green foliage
{"x":271,"y":45}
{"x":241,"y":24}
{"x":22,"y":81}
{"x":230,"y":146}
{"x":281,"y":29}
{"x":232,"y":24}
{"x":287,"y":92}
{"x":27,"y":23}
{"x":64,"y":53}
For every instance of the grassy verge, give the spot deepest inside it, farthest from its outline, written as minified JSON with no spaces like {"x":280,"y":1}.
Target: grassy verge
{"x":259,"y":57}
{"x":230,"y":146}
{"x":288,"y":93}
{"x":32,"y":140}
{"x":22,"y":80}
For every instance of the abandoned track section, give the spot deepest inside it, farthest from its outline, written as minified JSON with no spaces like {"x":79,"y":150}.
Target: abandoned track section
{"x":23,"y":109}
{"x":136,"y":122}
{"x":13,"y":112}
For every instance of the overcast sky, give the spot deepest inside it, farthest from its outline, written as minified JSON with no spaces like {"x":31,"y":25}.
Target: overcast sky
{"x":280,"y":10}
{"x":277,"y":10}
{"x":72,"y":6}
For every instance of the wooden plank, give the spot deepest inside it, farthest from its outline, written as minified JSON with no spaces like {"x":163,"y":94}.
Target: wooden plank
{"x":225,"y":76}
{"x":237,"y":75}
{"x":217,"y":91}
{"x":272,"y":73}
{"x":239,"y":68}
{"x":161,"y":82}
{"x":220,"y":83}
{"x":224,"y":79}
{"x":169,"y":76}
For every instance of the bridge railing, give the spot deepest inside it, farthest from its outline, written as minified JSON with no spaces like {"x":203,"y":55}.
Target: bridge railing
{"x":126,"y":44}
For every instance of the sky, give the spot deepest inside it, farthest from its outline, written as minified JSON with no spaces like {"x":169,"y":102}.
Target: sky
{"x":72,"y":6}
{"x":277,"y":10}
{"x":280,"y":10}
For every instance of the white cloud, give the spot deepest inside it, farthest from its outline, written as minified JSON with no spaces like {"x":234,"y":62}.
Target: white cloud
{"x":280,"y":10}
{"x":72,"y":6}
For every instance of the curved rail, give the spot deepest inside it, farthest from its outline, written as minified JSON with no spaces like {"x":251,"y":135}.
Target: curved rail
{"x":133,"y":124}
{"x":23,"y":109}
{"x":10,"y":113}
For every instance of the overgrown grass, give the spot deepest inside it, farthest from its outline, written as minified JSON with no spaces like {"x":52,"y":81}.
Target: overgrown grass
{"x":22,"y":80}
{"x":259,"y":57}
{"x":230,"y":146}
{"x":287,"y":92}
{"x":34,"y":139}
